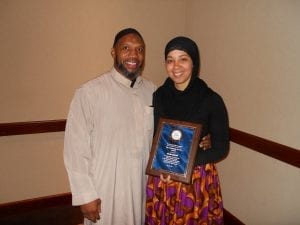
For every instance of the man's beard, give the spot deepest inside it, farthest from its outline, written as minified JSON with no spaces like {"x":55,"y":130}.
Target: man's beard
{"x":126,"y":73}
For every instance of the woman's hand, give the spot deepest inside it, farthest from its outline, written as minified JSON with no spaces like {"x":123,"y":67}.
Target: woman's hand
{"x":92,"y":210}
{"x":205,"y":142}
{"x":165,"y":180}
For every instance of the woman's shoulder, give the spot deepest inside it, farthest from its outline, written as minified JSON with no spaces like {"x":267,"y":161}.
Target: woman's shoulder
{"x":165,"y":87}
{"x":209,"y":95}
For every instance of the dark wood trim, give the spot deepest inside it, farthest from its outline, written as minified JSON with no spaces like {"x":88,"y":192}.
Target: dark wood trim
{"x":14,"y":209}
{"x":24,"y":206}
{"x":48,"y":210}
{"x":230,"y":219}
{"x":33,"y":127}
{"x":278,"y":151}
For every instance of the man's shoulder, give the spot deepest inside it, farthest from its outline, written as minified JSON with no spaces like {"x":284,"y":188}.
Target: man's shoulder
{"x":93,"y":86}
{"x":96,"y":81}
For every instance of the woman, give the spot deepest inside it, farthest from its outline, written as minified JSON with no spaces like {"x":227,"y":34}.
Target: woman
{"x":184,"y":96}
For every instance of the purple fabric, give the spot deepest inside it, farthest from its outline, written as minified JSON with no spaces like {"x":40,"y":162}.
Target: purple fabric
{"x":199,"y":203}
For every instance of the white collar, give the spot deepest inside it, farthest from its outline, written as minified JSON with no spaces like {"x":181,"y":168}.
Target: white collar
{"x":123,"y":80}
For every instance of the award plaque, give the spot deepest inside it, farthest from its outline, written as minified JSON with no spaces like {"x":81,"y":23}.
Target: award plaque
{"x":174,"y":149}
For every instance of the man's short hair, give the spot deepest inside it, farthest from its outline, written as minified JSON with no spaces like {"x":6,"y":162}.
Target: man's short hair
{"x":124,"y":32}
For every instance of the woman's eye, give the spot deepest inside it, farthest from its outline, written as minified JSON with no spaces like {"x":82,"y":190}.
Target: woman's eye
{"x":184,"y":59}
{"x":169,"y":61}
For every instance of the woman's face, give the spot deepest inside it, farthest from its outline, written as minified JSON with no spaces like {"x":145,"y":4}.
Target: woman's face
{"x":179,"y":66}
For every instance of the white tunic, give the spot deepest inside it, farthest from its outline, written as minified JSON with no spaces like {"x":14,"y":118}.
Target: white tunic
{"x":107,"y":140}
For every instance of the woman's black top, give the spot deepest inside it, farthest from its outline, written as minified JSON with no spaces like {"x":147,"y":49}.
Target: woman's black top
{"x":197,"y":104}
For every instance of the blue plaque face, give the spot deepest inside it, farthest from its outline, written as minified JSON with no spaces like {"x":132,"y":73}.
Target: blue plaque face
{"x":174,"y":149}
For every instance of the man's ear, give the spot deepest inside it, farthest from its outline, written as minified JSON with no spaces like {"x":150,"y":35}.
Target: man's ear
{"x":113,"y":53}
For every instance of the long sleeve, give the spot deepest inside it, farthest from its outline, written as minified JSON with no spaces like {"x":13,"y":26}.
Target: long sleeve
{"x":218,"y":127}
{"x":77,"y":149}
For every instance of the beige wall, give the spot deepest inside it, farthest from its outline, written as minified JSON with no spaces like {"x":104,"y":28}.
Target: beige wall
{"x":250,"y":52}
{"x":49,"y":48}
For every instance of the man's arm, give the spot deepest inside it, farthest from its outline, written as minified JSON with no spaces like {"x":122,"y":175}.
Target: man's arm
{"x":77,"y":149}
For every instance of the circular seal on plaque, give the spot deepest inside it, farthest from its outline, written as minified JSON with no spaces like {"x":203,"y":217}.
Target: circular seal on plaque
{"x":176,"y":135}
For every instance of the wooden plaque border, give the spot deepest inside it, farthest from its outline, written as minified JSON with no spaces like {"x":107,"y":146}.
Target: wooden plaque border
{"x":182,"y":177}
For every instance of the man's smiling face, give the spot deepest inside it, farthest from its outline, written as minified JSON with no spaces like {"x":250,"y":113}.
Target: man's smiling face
{"x":129,"y":56}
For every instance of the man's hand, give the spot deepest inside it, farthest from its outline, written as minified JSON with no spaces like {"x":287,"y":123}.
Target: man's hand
{"x":92,"y":210}
{"x":205,"y":142}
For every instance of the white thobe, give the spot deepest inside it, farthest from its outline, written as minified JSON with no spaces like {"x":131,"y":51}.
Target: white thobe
{"x":107,"y":141}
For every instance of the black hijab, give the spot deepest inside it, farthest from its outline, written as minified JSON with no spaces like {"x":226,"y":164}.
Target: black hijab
{"x":190,"y":47}
{"x":177,"y":104}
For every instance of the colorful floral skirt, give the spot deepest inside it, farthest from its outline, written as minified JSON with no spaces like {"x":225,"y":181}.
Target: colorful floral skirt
{"x":176,"y":203}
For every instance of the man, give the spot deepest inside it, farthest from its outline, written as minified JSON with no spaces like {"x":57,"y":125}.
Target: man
{"x":108,"y":136}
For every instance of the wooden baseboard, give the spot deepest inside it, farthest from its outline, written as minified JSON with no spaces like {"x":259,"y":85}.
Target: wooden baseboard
{"x":48,"y":209}
{"x":230,"y":219}
{"x":24,"y":206}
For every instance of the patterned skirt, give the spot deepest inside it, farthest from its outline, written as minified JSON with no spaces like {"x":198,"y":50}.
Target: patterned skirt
{"x":176,"y":203}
